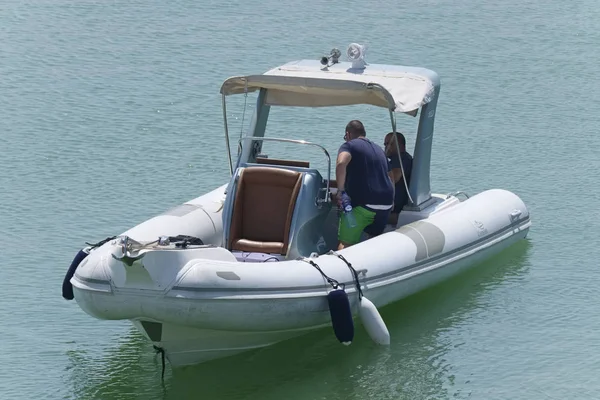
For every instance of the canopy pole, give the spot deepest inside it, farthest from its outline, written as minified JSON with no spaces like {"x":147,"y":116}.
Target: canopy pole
{"x":393,"y":118}
{"x":227,"y":134}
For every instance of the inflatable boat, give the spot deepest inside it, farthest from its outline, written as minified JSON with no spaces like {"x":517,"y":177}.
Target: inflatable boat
{"x":254,"y":261}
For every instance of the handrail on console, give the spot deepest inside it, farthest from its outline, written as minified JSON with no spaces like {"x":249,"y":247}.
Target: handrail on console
{"x":270,"y":139}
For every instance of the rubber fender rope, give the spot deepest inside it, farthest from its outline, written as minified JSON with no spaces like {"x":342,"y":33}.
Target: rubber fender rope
{"x":271,"y":258}
{"x":334,"y":283}
{"x":100,"y":243}
{"x":162,"y":353}
{"x":358,"y":289}
{"x":184,"y":241}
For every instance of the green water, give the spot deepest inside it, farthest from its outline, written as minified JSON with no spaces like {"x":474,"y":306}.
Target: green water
{"x":110,"y":114}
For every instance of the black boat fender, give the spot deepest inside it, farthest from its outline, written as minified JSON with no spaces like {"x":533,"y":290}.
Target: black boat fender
{"x":339,"y":308}
{"x":341,"y":315}
{"x":67,"y":287}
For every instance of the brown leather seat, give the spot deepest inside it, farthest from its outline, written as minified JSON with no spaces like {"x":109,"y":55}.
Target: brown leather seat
{"x":263,"y":208}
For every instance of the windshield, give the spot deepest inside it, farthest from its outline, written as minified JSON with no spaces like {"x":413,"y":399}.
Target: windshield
{"x":323,"y":126}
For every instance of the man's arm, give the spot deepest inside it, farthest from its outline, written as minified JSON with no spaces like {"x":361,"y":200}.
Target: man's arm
{"x":394,"y":169}
{"x":395,"y":175}
{"x":343,"y":159}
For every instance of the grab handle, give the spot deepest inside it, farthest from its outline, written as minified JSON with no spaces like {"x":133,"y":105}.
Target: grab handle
{"x":514,"y":215}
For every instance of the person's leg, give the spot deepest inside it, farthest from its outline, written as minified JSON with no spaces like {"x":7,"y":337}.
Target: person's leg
{"x":380,"y":220}
{"x":393,"y":219}
{"x":347,"y":236}
{"x":393,"y":216}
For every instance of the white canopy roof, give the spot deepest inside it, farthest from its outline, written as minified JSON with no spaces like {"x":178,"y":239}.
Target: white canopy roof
{"x":307,"y":83}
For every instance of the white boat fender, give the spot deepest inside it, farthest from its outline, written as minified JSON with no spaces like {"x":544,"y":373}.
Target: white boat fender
{"x":373,"y":322}
{"x":339,"y":309}
{"x":67,"y":288}
{"x":368,"y":313}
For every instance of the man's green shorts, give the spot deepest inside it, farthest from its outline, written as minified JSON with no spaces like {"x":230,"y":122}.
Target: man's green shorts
{"x":370,"y":221}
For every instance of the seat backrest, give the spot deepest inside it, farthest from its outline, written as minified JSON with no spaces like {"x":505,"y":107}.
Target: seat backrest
{"x":264,"y":205}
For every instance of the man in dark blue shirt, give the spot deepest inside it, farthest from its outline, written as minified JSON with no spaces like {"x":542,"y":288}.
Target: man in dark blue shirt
{"x":362,"y":178}
{"x":400,"y":193}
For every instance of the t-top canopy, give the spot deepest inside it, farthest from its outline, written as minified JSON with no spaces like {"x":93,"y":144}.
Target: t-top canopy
{"x":307,"y":83}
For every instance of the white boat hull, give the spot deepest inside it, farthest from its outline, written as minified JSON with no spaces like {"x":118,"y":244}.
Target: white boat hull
{"x":184,"y":345}
{"x":200,"y":304}
{"x":189,"y":346}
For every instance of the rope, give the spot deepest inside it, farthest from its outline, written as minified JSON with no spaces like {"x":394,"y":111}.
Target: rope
{"x":162,"y":352}
{"x":271,"y":258}
{"x":100,"y":243}
{"x":224,"y":103}
{"x":184,"y":241}
{"x":244,"y":111}
{"x":393,"y":118}
{"x":335,"y":284}
{"x":358,"y":289}
{"x":243,"y":115}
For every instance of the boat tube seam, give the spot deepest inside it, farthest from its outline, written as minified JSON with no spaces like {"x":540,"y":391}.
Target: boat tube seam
{"x":421,"y":236}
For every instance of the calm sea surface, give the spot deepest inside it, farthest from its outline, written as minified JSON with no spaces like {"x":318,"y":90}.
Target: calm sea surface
{"x":110,"y":113}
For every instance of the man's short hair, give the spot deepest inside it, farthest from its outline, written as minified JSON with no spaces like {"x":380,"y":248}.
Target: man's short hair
{"x":400,"y":137}
{"x":355,"y":128}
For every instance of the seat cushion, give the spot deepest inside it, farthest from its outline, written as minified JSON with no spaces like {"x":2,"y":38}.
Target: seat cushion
{"x":263,"y":209}
{"x":256,"y":246}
